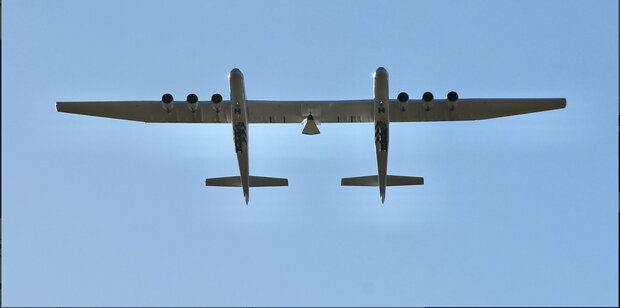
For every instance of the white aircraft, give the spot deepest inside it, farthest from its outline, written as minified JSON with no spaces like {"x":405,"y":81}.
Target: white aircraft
{"x":240,"y":111}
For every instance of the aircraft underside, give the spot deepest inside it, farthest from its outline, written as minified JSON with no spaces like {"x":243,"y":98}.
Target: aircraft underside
{"x":380,"y":110}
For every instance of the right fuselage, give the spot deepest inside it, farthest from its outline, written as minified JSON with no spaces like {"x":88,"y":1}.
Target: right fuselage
{"x":239,"y":122}
{"x":382,"y":123}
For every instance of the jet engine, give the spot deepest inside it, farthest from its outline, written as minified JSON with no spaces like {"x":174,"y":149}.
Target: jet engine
{"x":167,"y":102}
{"x":427,"y":100}
{"x":216,"y":100}
{"x":192,"y":102}
{"x":403,"y":98}
{"x":453,"y":98}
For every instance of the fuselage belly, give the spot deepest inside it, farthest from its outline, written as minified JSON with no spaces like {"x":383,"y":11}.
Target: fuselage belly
{"x":239,"y":116}
{"x":382,"y":123}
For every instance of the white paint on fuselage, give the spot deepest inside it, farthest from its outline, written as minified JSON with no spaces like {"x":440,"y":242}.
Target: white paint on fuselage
{"x":382,"y":118}
{"x":239,"y":116}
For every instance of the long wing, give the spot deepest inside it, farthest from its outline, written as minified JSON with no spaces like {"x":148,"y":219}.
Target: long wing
{"x":258,"y":111}
{"x":149,"y":111}
{"x":362,"y":110}
{"x":471,"y":109}
{"x":348,"y":111}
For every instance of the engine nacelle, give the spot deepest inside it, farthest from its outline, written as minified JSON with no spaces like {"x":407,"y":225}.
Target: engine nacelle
{"x":403,"y":98}
{"x":427,"y":100}
{"x":453,"y":98}
{"x":167,"y":102}
{"x":192,"y":102}
{"x":216,"y":102}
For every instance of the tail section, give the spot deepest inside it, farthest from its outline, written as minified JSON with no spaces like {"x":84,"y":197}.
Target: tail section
{"x":373,"y":180}
{"x":255,"y":181}
{"x":262,"y":181}
{"x":229,"y":181}
{"x":390,"y":180}
{"x":397,"y":180}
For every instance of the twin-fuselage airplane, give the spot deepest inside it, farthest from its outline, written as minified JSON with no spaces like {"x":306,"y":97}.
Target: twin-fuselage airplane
{"x":380,"y":110}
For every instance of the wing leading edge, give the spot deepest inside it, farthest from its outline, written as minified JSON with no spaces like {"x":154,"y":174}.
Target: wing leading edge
{"x":349,"y":111}
{"x":470,"y":109}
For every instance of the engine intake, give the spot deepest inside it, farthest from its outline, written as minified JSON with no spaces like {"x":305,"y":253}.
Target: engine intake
{"x":403,"y":98}
{"x":453,"y":97}
{"x":427,"y":99}
{"x":216,"y":99}
{"x":192,"y":102}
{"x":167,"y":102}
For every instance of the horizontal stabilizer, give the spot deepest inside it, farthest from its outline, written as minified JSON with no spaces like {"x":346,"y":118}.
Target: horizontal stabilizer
{"x":397,"y":180}
{"x":262,"y":181}
{"x":255,"y":181}
{"x":229,"y":181}
{"x":373,"y":180}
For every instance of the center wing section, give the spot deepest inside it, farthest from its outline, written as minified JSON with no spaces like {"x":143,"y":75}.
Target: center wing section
{"x":346,"y":111}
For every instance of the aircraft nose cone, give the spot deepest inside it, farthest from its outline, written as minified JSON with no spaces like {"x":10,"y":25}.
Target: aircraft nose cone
{"x":381,"y":71}
{"x":235,"y":72}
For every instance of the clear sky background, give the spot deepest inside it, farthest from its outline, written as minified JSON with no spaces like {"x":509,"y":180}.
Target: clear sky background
{"x":515,"y":211}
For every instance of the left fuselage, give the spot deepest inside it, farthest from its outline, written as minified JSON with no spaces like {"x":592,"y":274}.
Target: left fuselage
{"x":382,"y":123}
{"x":239,"y":116}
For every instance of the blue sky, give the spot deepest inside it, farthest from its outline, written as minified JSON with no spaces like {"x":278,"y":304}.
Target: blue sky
{"x":515,"y":211}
